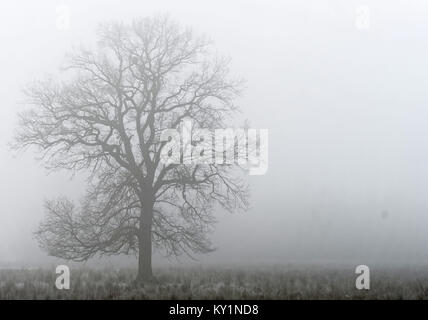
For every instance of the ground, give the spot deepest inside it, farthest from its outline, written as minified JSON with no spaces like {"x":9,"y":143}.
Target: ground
{"x":218,"y":283}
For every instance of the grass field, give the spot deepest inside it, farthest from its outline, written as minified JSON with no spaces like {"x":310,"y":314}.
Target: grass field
{"x":232,"y":283}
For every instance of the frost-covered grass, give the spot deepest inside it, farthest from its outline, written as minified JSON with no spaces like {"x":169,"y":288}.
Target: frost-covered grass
{"x":223,"y":283}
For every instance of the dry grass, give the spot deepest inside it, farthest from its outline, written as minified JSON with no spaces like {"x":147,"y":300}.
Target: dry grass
{"x":198,"y":283}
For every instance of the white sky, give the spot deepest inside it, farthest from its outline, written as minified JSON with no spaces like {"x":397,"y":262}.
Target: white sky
{"x":346,"y":111}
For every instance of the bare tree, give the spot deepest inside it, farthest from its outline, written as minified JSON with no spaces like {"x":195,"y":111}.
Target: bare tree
{"x":107,"y":117}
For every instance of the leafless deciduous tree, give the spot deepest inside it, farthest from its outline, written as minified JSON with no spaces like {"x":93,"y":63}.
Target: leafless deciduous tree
{"x":107,"y":117}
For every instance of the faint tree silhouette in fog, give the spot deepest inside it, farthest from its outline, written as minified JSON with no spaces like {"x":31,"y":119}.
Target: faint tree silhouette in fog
{"x":106,"y":116}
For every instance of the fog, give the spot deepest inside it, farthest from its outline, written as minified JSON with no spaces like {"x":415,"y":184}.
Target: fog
{"x":345,"y":106}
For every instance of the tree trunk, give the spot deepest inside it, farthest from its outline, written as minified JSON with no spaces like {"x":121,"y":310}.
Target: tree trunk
{"x":145,"y":273}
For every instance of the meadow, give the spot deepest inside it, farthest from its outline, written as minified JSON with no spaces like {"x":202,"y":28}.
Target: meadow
{"x":217,"y":283}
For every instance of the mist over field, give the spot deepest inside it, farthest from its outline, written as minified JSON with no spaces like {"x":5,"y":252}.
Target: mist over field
{"x":346,"y":109}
